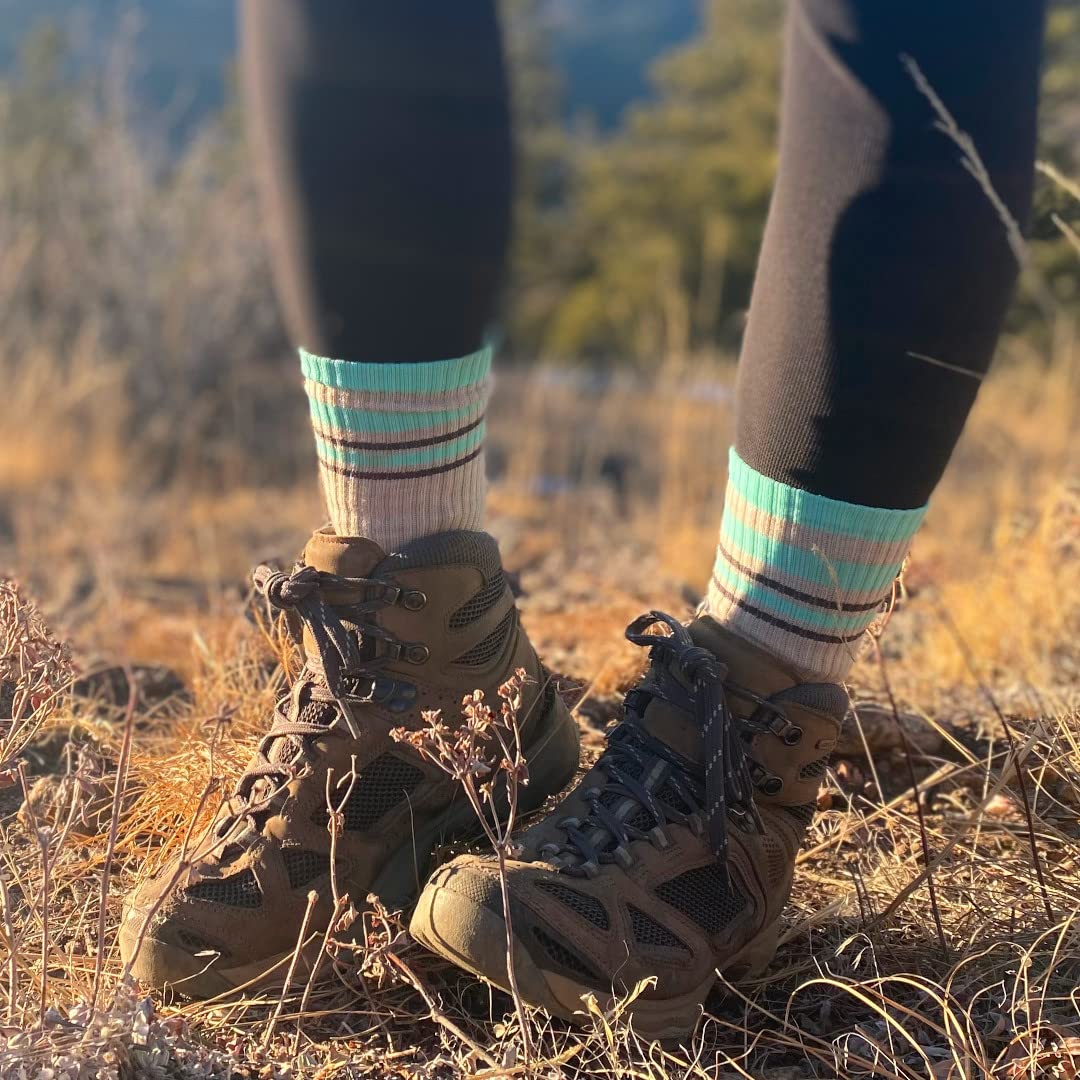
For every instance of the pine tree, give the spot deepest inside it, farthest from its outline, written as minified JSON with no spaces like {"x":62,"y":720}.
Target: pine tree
{"x":671,"y":210}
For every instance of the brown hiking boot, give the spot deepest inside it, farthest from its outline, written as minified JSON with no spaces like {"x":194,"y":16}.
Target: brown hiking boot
{"x":385,"y":638}
{"x":673,"y":856}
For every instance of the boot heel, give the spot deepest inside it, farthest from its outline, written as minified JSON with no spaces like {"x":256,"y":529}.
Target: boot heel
{"x":756,"y":955}
{"x":552,"y":755}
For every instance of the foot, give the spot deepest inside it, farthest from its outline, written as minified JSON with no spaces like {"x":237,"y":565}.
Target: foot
{"x":673,"y":856}
{"x":385,"y":638}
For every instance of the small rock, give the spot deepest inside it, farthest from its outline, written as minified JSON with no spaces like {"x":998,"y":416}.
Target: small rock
{"x":879,"y":726}
{"x":1000,"y":806}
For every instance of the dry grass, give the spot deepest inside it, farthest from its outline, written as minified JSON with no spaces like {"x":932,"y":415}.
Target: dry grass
{"x":931,"y":933}
{"x":981,"y":655}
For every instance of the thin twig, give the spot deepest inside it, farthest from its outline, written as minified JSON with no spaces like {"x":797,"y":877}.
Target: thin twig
{"x":301,"y":941}
{"x":436,"y":1012}
{"x":924,"y":839}
{"x":970,"y":158}
{"x":114,"y":828}
{"x":969,"y":663}
{"x":42,"y":841}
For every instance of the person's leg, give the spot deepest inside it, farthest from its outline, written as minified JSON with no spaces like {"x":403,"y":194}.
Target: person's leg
{"x":883,"y":281}
{"x":382,"y":139}
{"x":674,"y":856}
{"x":382,"y":142}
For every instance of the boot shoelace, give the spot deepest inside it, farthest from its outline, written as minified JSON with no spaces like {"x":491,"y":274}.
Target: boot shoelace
{"x":340,"y":660}
{"x":722,"y":785}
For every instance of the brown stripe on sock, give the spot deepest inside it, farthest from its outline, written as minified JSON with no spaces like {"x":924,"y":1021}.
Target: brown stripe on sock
{"x":400,"y":474}
{"x":781,"y":624}
{"x":795,"y":594}
{"x":407,"y":444}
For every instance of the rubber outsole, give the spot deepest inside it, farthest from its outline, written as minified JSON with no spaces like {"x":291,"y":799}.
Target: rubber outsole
{"x":552,"y":759}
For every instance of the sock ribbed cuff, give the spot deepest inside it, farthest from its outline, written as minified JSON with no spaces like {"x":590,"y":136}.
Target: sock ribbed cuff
{"x":400,"y":446}
{"x":802,"y":575}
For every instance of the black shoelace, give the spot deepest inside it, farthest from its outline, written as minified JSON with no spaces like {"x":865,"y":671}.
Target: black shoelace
{"x":702,"y":795}
{"x":345,"y":660}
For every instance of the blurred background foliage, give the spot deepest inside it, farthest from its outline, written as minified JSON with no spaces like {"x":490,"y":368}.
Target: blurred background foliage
{"x":129,"y":230}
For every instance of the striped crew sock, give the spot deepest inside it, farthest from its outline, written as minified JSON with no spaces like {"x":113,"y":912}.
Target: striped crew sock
{"x":401,"y":446}
{"x":801,"y":575}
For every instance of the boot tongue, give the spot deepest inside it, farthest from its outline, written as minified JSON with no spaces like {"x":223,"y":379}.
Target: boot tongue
{"x":345,"y":556}
{"x":342,"y":556}
{"x":747,"y":665}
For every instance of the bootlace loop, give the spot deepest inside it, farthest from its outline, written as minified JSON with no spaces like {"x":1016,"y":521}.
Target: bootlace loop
{"x":301,"y":592}
{"x":339,"y":658}
{"x":722,"y":785}
{"x":728,"y":783}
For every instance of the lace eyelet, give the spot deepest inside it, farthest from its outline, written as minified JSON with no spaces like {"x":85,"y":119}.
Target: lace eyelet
{"x":772,"y":785}
{"x":413,"y":600}
{"x":417,"y":654}
{"x":793,"y":736}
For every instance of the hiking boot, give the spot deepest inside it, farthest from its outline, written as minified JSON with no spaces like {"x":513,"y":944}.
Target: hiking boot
{"x":385,"y":638}
{"x":673,"y":856}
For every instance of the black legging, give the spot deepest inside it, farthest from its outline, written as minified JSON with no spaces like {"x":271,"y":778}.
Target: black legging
{"x":382,"y":133}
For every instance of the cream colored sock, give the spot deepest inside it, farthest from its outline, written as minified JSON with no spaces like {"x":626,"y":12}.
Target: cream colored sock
{"x":801,"y":575}
{"x":401,"y":446}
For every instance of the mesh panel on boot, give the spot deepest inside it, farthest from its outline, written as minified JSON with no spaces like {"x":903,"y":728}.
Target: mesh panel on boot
{"x":378,"y":789}
{"x":446,"y":549}
{"x":304,"y":866}
{"x":813,"y":770}
{"x":480,"y":604}
{"x":647,"y":931}
{"x":639,"y":819}
{"x":490,"y":647}
{"x":778,"y":858}
{"x":642,"y":819}
{"x":803,"y":815}
{"x":236,"y":890}
{"x":588,"y":907}
{"x":314,"y":712}
{"x":704,"y":896}
{"x":480,"y":889}
{"x":828,"y":698}
{"x":669,"y":794}
{"x":563,"y":956}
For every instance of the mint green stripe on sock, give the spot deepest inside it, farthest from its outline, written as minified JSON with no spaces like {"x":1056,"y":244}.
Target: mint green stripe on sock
{"x":433,"y":377}
{"x":818,"y":512}
{"x":830,"y":574}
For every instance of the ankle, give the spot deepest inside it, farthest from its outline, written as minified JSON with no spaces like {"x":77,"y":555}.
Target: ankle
{"x":400,"y":446}
{"x":802,"y":576}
